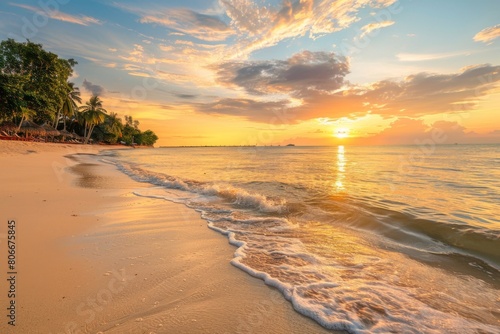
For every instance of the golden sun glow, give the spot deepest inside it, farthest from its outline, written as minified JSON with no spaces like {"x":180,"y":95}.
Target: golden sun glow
{"x":341,"y":133}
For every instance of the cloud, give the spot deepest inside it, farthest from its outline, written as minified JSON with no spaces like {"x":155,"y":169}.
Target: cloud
{"x":246,"y":16}
{"x":137,"y":55}
{"x":259,"y":27}
{"x":185,"y":21}
{"x":186,"y":96}
{"x":410,"y":57}
{"x":92,"y":88}
{"x":179,"y":64}
{"x":416,"y":132}
{"x":253,"y":110}
{"x":302,"y":72}
{"x":400,"y":131}
{"x":424,"y":93}
{"x":238,"y":28}
{"x":417,"y":95}
{"x":488,"y":34}
{"x":254,"y":25}
{"x":58,"y":15}
{"x":81,"y":20}
{"x":382,"y":3}
{"x":370,"y":28}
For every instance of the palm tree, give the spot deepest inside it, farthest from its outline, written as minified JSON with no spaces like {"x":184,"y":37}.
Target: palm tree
{"x":114,"y":124}
{"x":69,"y":106}
{"x":93,"y":113}
{"x":26,"y":114}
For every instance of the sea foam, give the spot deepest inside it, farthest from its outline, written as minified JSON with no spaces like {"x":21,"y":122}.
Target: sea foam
{"x":347,"y":264}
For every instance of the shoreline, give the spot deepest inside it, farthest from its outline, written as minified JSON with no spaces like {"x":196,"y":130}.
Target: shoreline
{"x":100,"y":259}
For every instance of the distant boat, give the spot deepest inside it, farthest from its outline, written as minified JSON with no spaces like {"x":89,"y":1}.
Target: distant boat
{"x":290,"y":145}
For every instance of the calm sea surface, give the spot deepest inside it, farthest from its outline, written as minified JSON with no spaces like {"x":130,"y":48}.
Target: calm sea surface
{"x":368,"y":239}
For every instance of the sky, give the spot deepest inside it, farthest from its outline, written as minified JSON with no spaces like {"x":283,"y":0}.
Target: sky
{"x":273,"y":72}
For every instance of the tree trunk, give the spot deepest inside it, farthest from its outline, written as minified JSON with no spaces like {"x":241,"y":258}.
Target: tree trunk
{"x":56,"y":122}
{"x":85,"y":132}
{"x":21,"y":123}
{"x":90,"y":133}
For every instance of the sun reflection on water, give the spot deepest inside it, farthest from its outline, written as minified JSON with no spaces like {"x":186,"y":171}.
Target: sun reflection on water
{"x":341,"y":164}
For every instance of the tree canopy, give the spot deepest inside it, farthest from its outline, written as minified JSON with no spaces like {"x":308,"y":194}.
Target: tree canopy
{"x":33,"y":78}
{"x":34,"y":86}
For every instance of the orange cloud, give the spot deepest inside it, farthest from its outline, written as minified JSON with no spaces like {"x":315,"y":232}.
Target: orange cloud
{"x":256,"y":27}
{"x":430,"y":56}
{"x":184,"y":22}
{"x":318,"y":80}
{"x":416,"y":132}
{"x":370,"y":28}
{"x":58,"y":15}
{"x":488,"y":34}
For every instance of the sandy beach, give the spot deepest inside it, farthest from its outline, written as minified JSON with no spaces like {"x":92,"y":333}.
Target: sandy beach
{"x":91,"y":257}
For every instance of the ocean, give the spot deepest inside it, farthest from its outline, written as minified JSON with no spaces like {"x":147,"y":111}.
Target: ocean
{"x":388,"y":239}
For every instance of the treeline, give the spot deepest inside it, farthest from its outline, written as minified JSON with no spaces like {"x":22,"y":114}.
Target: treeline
{"x":34,"y":86}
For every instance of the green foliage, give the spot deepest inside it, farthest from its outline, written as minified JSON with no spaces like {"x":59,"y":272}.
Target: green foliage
{"x":34,"y":85}
{"x":147,"y":138}
{"x":93,"y":114}
{"x":32,"y":77}
{"x":130,"y":131}
{"x":113,"y":130}
{"x":69,"y":107}
{"x":11,"y":95}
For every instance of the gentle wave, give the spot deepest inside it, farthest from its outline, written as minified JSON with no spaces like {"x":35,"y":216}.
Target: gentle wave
{"x":271,"y":249}
{"x":431,"y":235}
{"x":350,"y":263}
{"x":227,"y":192}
